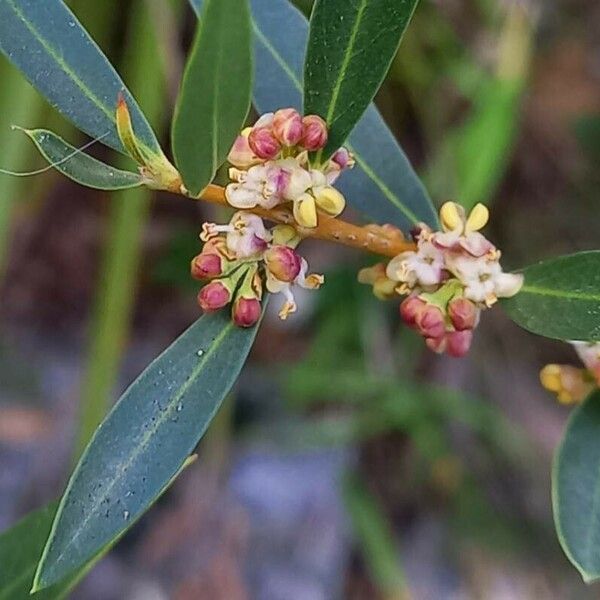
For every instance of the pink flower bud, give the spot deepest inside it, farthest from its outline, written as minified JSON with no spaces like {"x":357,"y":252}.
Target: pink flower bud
{"x":314,"y":133}
{"x":246,"y":312}
{"x":287,"y":126}
{"x":241,"y":154}
{"x":410,"y":309}
{"x":430,"y":322}
{"x":213,"y":296}
{"x":343,"y":159}
{"x":263,"y":143}
{"x":283,"y":263}
{"x":463,"y":314}
{"x":459,"y":343}
{"x":206,"y":266}
{"x":437,"y":345}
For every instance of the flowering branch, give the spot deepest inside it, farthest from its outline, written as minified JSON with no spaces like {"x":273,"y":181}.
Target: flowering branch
{"x":447,"y":277}
{"x":385,"y":240}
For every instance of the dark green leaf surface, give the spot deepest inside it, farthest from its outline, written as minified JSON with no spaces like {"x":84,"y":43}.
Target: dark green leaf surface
{"x":20,"y":549}
{"x":560,"y":298}
{"x":383,"y":185}
{"x":215,"y":94}
{"x":351,"y":46}
{"x":144,"y":441}
{"x":576,"y":489}
{"x":78,"y":166}
{"x":47,"y":43}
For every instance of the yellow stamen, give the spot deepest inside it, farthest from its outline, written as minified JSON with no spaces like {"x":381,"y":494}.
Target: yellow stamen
{"x":451,"y":216}
{"x":478,"y":218}
{"x":331,"y":201}
{"x":550,"y":378}
{"x":305,"y":211}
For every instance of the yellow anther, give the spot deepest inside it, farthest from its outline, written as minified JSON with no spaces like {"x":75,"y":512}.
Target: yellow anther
{"x":570,"y":384}
{"x":287,"y":309}
{"x":478,"y":218}
{"x":285,"y":235}
{"x":246,"y":131}
{"x":452,"y":216}
{"x":331,"y":201}
{"x":305,"y":211}
{"x":550,"y":378}
{"x":314,"y":281}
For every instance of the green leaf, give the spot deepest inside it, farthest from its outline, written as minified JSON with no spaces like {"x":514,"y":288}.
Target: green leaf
{"x":560,"y":298}
{"x":215,"y":94}
{"x":49,"y":45}
{"x":144,"y":440}
{"x":383,"y":185}
{"x":78,"y":166}
{"x":351,"y":46}
{"x":20,"y":550}
{"x":576,"y":489}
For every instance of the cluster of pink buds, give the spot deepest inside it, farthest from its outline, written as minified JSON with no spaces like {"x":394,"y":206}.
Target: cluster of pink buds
{"x":449,"y":279}
{"x":573,"y":384}
{"x":239,"y":259}
{"x":271,"y":166}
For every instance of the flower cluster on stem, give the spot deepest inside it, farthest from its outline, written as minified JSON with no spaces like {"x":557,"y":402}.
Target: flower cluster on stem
{"x":449,"y":278}
{"x":271,"y":166}
{"x":240,"y":259}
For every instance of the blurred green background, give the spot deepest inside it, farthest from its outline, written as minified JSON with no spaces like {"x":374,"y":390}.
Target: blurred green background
{"x":349,"y":462}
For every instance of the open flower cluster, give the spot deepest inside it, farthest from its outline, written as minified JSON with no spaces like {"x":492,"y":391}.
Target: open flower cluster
{"x":573,"y":384}
{"x":271,"y":167}
{"x":239,"y":259}
{"x":449,"y":279}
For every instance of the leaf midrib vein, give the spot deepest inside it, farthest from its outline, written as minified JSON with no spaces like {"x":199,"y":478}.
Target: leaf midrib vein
{"x":60,"y":61}
{"x":557,"y":293}
{"x":141,"y":446}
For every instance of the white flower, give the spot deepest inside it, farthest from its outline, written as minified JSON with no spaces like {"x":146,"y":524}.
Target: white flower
{"x":261,"y":185}
{"x":247,"y":236}
{"x":461,"y":232}
{"x":483,"y":278}
{"x":298,"y":179}
{"x":425,"y":267}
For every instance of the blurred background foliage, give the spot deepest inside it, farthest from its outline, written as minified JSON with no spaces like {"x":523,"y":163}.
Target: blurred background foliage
{"x":349,"y":462}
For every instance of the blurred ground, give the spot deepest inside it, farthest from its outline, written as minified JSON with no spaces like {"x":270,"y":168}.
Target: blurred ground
{"x":453,"y":479}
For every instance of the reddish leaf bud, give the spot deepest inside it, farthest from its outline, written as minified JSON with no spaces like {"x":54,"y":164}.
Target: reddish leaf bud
{"x":287,"y":126}
{"x":410,"y":309}
{"x":314,"y":133}
{"x":459,"y":343}
{"x":246,"y":312}
{"x":213,"y":296}
{"x":283,"y":263}
{"x":206,"y":266}
{"x":430,"y":322}
{"x":463,"y":314}
{"x":263,"y":143}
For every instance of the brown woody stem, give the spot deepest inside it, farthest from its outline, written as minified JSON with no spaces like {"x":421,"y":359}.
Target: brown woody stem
{"x":385,"y":240}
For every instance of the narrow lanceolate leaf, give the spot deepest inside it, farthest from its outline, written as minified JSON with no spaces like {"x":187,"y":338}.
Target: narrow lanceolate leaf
{"x":47,"y":43}
{"x":215,"y":94}
{"x":143,"y":442}
{"x":80,"y":167}
{"x":560,"y":298}
{"x":20,"y":550}
{"x":383,"y":184}
{"x":350,"y":49}
{"x":576,"y":489}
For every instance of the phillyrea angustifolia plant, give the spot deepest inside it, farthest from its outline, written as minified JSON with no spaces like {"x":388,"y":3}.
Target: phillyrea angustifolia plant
{"x":318,"y":145}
